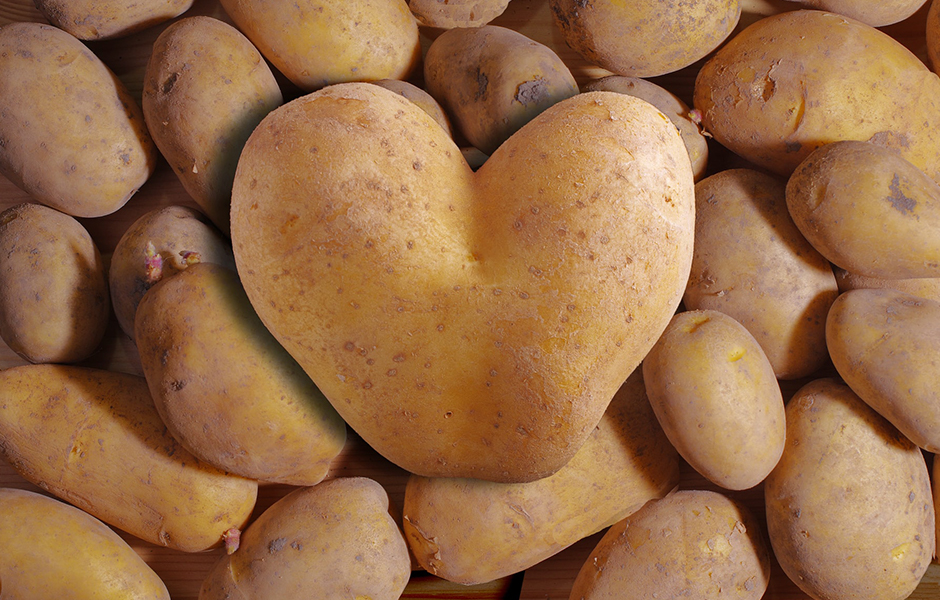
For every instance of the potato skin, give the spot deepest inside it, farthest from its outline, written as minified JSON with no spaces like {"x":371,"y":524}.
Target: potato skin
{"x":539,"y":288}
{"x":792,"y":82}
{"x":925,"y":287}
{"x":54,"y":299}
{"x":108,"y":19}
{"x":868,"y":210}
{"x":692,"y":543}
{"x":471,"y":531}
{"x":761,"y":271}
{"x":332,"y":540}
{"x":420,"y":97}
{"x":94,"y":439}
{"x":73,"y":137}
{"x":879,"y":543}
{"x":225,"y":388}
{"x":67,"y":553}
{"x":885,"y":345}
{"x":456,"y":13}
{"x":206,"y":87}
{"x":492,"y":80}
{"x":316,"y":43}
{"x":715,"y":393}
{"x":932,"y":36}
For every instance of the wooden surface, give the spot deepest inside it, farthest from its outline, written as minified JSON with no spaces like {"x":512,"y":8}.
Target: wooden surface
{"x":183,"y":573}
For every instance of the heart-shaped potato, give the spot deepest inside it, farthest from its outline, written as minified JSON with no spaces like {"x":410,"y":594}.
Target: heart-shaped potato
{"x":465,"y":324}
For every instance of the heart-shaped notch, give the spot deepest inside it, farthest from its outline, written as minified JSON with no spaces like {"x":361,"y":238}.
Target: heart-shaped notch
{"x":465,"y":324}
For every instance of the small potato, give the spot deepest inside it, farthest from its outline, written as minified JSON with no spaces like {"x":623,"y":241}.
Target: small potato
{"x":225,"y":388}
{"x":73,"y":136}
{"x":54,"y":300}
{"x":716,"y":396}
{"x":690,"y":544}
{"x":54,"y":550}
{"x":94,"y":439}
{"x":925,"y":287}
{"x":157,"y":245}
{"x":849,"y":506}
{"x":108,"y":19}
{"x":752,"y":263}
{"x":206,"y":87}
{"x":448,"y":14}
{"x":332,"y":540}
{"x":644,"y":39}
{"x":471,"y":531}
{"x":886,"y":346}
{"x":868,"y":210}
{"x":492,"y":80}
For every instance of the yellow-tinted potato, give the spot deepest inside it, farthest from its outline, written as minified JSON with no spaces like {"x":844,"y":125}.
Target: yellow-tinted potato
{"x":886,"y":345}
{"x":692,"y":543}
{"x":206,"y":87}
{"x":925,"y":287}
{"x":716,"y":396}
{"x":792,"y":82}
{"x":876,"y":14}
{"x":94,"y":439}
{"x":54,"y":550}
{"x":106,"y":19}
{"x":753,"y":264}
{"x":73,"y":137}
{"x":868,"y":210}
{"x":645,"y":39}
{"x":493,"y":80}
{"x":315,"y":43}
{"x":373,"y":264}
{"x":54,"y":301}
{"x":420,"y":97}
{"x":472,"y":531}
{"x":671,"y":105}
{"x":849,"y":507}
{"x":333,"y":540}
{"x":157,"y":245}
{"x":449,"y":14}
{"x":225,"y":388}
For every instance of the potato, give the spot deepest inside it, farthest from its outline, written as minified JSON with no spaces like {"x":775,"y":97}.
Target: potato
{"x":67,"y":553}
{"x":644,"y":39}
{"x":73,"y":137}
{"x":876,"y":14}
{"x":792,"y":82}
{"x":332,"y":540}
{"x":753,"y":264}
{"x":420,"y":97}
{"x":492,"y":80}
{"x":54,"y":301}
{"x":932,"y":36}
{"x":670,"y":104}
{"x":471,"y":531}
{"x":868,"y":210}
{"x":224,"y":387}
{"x":692,"y":543}
{"x":465,"y":324}
{"x":841,"y":453}
{"x":107,"y":19}
{"x":714,"y":392}
{"x":157,"y":245}
{"x":925,"y":287}
{"x":206,"y":87}
{"x":315,"y":43}
{"x":93,"y":438}
{"x":886,"y":344}
{"x":448,"y":14}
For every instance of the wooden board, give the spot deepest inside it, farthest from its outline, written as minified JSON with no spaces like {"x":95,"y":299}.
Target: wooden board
{"x":183,"y":573}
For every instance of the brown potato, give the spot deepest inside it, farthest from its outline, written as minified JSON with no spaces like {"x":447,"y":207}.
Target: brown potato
{"x":932,"y":36}
{"x":840,"y":453}
{"x":54,"y":300}
{"x":384,"y":254}
{"x":925,"y":287}
{"x":73,"y":137}
{"x":492,"y":80}
{"x":876,"y":14}
{"x":93,"y":438}
{"x":107,"y":19}
{"x":472,"y":531}
{"x":420,"y":97}
{"x":54,"y":550}
{"x":456,"y":13}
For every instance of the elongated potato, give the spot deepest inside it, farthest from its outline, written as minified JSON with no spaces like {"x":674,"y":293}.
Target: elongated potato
{"x":73,"y":136}
{"x":472,"y":531}
{"x":94,"y":439}
{"x":925,"y":287}
{"x":332,"y":540}
{"x":54,"y":550}
{"x":107,"y":19}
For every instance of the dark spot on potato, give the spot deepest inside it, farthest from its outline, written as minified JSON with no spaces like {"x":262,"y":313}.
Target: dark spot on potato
{"x":482,"y":85}
{"x":276,"y":545}
{"x":899,"y":201}
{"x":792,"y":147}
{"x":531,"y":92}
{"x":167,"y":86}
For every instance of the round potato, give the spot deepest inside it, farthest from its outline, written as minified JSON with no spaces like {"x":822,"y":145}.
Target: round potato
{"x":717,"y":398}
{"x":876,"y":14}
{"x":840,"y":452}
{"x":108,"y":19}
{"x":54,"y":299}
{"x":456,"y":13}
{"x":925,"y":287}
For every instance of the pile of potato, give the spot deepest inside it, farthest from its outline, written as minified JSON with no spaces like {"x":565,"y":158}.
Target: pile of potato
{"x":540,"y":294}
